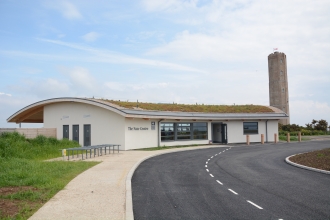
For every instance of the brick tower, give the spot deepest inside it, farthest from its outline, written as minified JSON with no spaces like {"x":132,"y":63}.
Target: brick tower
{"x":278,"y":83}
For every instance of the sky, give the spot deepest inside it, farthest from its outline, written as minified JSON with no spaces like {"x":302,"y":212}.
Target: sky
{"x":164,"y":51}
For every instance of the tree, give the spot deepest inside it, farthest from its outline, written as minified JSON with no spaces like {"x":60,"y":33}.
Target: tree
{"x":322,"y":125}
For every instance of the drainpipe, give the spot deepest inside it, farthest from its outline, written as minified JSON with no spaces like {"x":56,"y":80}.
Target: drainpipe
{"x":266,"y":131}
{"x":159,"y":131}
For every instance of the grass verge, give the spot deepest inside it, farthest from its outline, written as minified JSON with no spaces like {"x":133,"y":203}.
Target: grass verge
{"x":26,"y":181}
{"x":293,"y":138}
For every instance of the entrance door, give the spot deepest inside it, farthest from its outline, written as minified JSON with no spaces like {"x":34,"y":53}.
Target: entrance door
{"x":216,"y":133}
{"x":75,"y":133}
{"x":66,"y":131}
{"x":87,"y":135}
{"x":224,"y":133}
{"x":219,"y":133}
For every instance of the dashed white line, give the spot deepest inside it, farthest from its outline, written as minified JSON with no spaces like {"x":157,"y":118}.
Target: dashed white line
{"x":208,"y":159}
{"x":212,"y":157}
{"x":205,"y":165}
{"x":254,"y":204}
{"x":207,"y":170}
{"x":233,"y":191}
{"x":211,"y":175}
{"x":219,"y":182}
{"x":216,"y":154}
{"x":207,"y":162}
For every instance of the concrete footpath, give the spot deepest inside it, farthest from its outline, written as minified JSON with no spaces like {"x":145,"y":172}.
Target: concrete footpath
{"x":100,"y":192}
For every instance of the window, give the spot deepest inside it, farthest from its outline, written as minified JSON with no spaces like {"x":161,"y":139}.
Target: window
{"x":200,"y":131}
{"x":250,"y":127}
{"x":281,"y":72}
{"x":183,"y":131}
{"x":167,"y":131}
{"x":281,"y":61}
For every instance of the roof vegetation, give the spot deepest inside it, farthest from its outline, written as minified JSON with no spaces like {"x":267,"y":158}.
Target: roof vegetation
{"x":192,"y":108}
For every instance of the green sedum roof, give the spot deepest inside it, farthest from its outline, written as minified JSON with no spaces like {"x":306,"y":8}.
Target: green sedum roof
{"x":193,"y":108}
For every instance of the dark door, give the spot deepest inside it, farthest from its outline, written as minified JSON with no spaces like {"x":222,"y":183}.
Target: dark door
{"x":75,"y":133}
{"x":66,"y":131}
{"x":224,"y":133}
{"x":87,"y":135}
{"x":216,"y":133}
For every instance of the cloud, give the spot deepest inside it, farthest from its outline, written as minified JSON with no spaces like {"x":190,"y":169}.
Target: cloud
{"x":5,"y":94}
{"x":42,"y":88}
{"x":91,"y":36}
{"x":106,"y":56}
{"x":80,"y":78}
{"x":303,"y":112}
{"x":168,"y":5}
{"x":66,"y":8}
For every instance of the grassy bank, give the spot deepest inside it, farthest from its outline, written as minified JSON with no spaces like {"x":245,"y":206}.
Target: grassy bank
{"x":26,"y":181}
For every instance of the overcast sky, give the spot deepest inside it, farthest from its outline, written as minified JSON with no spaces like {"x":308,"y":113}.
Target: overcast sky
{"x":211,"y":52}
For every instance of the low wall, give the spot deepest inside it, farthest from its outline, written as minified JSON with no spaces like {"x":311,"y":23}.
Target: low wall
{"x":32,"y":132}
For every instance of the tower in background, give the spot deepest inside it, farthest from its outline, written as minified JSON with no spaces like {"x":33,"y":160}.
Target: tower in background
{"x":278,"y":83}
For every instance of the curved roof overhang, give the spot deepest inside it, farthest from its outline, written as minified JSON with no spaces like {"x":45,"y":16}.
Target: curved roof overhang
{"x":34,"y":113}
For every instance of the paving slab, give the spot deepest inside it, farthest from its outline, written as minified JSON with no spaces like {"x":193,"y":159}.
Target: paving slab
{"x":100,"y":192}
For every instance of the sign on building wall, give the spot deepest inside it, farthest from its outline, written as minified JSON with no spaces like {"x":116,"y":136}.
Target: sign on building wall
{"x":153,"y":125}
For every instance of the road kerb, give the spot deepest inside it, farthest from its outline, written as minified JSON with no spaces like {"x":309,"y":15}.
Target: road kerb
{"x":304,"y":167}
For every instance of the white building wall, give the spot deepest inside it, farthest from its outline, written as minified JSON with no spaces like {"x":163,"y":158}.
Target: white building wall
{"x":139,"y":134}
{"x":106,"y":127}
{"x":236,"y":133}
{"x":272,"y":129}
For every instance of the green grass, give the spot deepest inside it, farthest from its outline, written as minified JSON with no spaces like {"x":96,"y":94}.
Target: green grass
{"x":193,"y":108}
{"x":22,"y":165}
{"x":292,"y":138}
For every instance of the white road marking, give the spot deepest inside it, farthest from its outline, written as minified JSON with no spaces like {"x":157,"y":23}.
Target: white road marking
{"x":216,"y":154}
{"x":205,"y":165}
{"x":254,"y":204}
{"x":207,"y":170}
{"x":219,"y":182}
{"x":207,"y":162}
{"x":233,"y":191}
{"x":211,"y":175}
{"x":223,"y":151}
{"x":212,"y":157}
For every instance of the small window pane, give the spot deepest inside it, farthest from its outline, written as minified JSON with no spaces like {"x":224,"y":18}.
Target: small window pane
{"x":167,"y":131}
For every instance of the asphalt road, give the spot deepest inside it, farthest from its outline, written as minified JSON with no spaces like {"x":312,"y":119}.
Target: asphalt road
{"x":238,"y":182}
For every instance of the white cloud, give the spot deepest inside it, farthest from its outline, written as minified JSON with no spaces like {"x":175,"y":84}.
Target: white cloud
{"x":80,"y":77}
{"x":303,"y":112}
{"x":106,"y":56}
{"x":5,"y":94}
{"x":168,"y":5}
{"x":91,"y":36}
{"x":66,"y":8}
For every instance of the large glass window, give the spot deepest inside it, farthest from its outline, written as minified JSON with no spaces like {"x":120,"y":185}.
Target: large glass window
{"x":250,"y":127}
{"x":200,"y":130}
{"x":183,"y":131}
{"x":167,"y":131}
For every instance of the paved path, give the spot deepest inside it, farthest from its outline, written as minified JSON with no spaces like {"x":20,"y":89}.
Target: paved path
{"x":239,"y":182}
{"x":98,"y":193}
